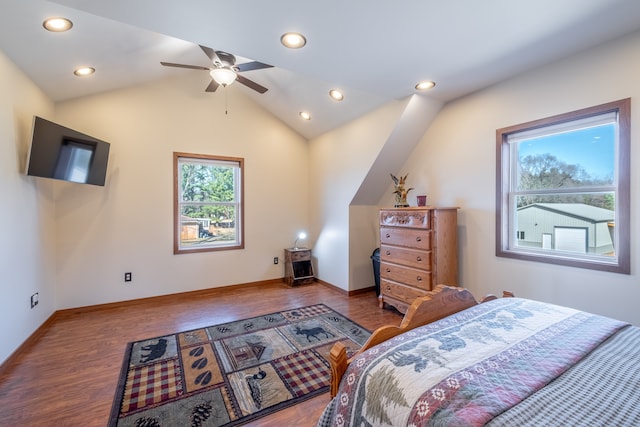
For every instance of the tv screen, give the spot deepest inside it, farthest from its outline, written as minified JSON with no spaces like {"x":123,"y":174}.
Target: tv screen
{"x":61,"y":153}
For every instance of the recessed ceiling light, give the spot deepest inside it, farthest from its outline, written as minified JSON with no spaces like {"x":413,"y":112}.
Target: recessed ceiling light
{"x":293,"y":40}
{"x":425,"y":85}
{"x":305,"y":115}
{"x":84,"y":71}
{"x":336,"y":95}
{"x":57,"y":24}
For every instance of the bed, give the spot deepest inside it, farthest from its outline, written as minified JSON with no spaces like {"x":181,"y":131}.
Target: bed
{"x":501,"y":362}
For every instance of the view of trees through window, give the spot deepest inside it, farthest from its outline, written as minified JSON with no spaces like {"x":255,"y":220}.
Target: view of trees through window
{"x":560,"y":181}
{"x":582,"y":159}
{"x":208,"y":203}
{"x":547,"y":171}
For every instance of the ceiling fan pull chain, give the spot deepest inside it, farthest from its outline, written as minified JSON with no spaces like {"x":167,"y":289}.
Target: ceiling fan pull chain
{"x":226,"y":102}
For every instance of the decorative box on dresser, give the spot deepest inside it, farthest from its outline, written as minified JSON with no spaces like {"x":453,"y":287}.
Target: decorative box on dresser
{"x":418,"y":250}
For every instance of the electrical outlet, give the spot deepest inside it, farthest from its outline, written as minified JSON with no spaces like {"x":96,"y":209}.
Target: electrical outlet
{"x":275,"y":260}
{"x":34,"y":300}
{"x":127,"y":277}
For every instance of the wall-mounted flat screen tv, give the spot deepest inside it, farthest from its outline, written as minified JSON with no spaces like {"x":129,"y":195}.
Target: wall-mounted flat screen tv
{"x":61,"y":153}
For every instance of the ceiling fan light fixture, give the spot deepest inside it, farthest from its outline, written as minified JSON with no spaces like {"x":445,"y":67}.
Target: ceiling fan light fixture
{"x":293,"y":40}
{"x":84,"y":71}
{"x":336,"y":95}
{"x":57,"y":24}
{"x":304,"y":115}
{"x":428,"y":84}
{"x":223,"y":76}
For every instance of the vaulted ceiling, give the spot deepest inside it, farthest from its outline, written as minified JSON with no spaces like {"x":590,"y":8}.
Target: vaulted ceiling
{"x":374,"y":51}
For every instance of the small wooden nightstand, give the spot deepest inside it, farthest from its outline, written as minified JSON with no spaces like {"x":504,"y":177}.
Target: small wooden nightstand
{"x":298,"y":268}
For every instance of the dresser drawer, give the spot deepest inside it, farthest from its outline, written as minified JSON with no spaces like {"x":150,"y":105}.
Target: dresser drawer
{"x":405,"y":218}
{"x":400,"y":292}
{"x":411,"y":257}
{"x":413,"y":238}
{"x":407,"y":275}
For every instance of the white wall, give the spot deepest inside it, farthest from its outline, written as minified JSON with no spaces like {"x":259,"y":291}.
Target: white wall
{"x":350,"y":169}
{"x":339,"y":162}
{"x":364,"y":234}
{"x":27,"y":253}
{"x":456,"y":159}
{"x":127,"y":226}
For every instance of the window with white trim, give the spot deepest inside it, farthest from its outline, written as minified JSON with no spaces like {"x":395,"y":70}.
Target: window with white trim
{"x":208,"y":203}
{"x":562,"y":189}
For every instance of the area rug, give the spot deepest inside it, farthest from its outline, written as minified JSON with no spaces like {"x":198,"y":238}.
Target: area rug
{"x":232,"y":373}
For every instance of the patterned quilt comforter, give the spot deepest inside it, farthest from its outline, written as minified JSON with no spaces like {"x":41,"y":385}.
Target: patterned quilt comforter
{"x":466,"y":369}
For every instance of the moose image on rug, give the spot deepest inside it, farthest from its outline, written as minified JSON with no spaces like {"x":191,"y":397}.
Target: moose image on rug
{"x":229,"y":374}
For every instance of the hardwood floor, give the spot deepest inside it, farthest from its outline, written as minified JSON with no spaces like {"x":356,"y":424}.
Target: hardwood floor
{"x":68,"y":376}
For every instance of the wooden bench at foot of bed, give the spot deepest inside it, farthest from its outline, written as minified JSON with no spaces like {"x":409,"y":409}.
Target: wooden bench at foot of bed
{"x":437,"y":304}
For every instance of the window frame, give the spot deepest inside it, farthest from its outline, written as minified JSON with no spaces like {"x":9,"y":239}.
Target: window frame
{"x":239,"y":190}
{"x":504,"y":175}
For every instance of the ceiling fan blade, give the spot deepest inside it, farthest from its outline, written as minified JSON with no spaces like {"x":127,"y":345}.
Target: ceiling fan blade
{"x":213,"y":86}
{"x":193,"y":67}
{"x":251,"y":84}
{"x":213,"y":56}
{"x":255,"y":65}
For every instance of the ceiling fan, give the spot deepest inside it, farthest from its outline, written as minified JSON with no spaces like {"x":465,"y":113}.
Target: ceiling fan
{"x":224,"y":70}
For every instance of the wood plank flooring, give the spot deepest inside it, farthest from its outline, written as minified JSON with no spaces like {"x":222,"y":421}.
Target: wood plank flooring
{"x":68,"y":376}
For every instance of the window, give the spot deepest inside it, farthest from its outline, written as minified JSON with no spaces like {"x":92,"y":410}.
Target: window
{"x":74,"y":161}
{"x":562,"y":189}
{"x":208,"y":203}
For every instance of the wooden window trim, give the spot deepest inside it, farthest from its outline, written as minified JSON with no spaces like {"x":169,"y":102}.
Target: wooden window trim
{"x":176,"y":205}
{"x":623,"y":194}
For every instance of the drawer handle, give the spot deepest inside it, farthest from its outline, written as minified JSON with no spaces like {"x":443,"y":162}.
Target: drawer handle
{"x":419,"y":279}
{"x":388,"y":235}
{"x":419,"y":258}
{"x":418,"y":239}
{"x":388,"y":270}
{"x":388,"y":288}
{"x":388,"y":252}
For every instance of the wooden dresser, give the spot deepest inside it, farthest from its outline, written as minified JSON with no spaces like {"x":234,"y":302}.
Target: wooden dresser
{"x":418,"y":250}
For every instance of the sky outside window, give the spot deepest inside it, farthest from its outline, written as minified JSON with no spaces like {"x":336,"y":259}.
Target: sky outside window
{"x":592,"y":148}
